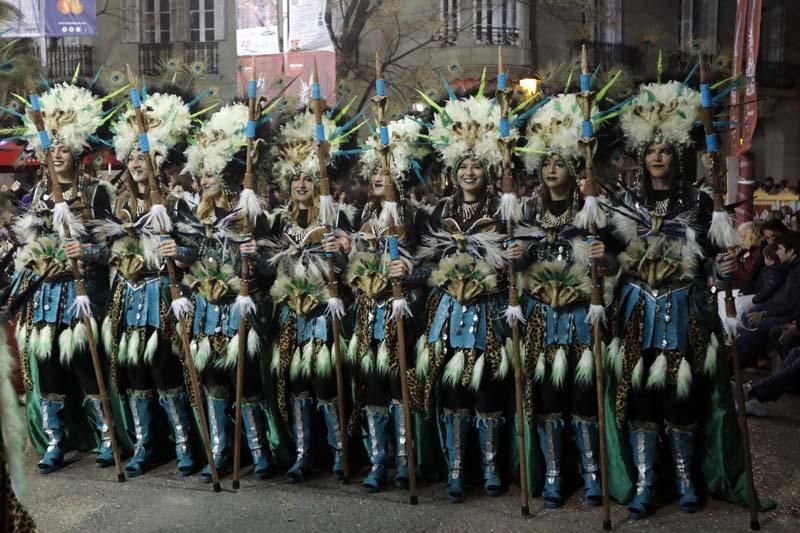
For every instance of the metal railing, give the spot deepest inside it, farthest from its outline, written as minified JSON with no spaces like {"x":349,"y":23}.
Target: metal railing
{"x":152,"y":55}
{"x":202,"y":53}
{"x":607,"y":54}
{"x":63,"y":60}
{"x":492,"y":35}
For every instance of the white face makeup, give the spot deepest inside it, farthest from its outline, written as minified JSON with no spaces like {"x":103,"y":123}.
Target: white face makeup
{"x":658,"y":160}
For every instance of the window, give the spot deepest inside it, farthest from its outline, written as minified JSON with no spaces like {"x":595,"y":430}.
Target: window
{"x":496,"y":21}
{"x":450,"y":19}
{"x":201,"y":20}
{"x":156,"y":26}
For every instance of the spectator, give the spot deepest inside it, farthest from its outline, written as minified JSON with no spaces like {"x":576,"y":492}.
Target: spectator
{"x":785,"y":379}
{"x":770,"y":230}
{"x":772,"y":276}
{"x":780,"y":309}
{"x":767,"y":185}
{"x":795,"y":223}
{"x":749,"y":253}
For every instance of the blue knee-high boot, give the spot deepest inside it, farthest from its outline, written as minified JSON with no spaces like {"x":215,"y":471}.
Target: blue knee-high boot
{"x":331,"y":412}
{"x":587,"y":439}
{"x":643,"y":445}
{"x":456,"y":434}
{"x":376,"y":426}
{"x":218,"y":432}
{"x":176,"y":405}
{"x":550,"y":430}
{"x":401,"y":453}
{"x":105,"y":455}
{"x":142,"y":453}
{"x":301,"y":429}
{"x":489,"y":439}
{"x":53,"y":427}
{"x":253,"y":419}
{"x":682,"y":445}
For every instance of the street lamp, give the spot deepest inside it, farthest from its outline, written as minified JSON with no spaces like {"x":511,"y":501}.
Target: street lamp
{"x":529,"y":84}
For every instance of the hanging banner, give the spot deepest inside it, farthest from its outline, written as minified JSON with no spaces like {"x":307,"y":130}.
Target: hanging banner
{"x":286,"y":67}
{"x":307,"y":29}
{"x":70,"y":18}
{"x":257,"y":27}
{"x":750,"y":115}
{"x":27,"y":25}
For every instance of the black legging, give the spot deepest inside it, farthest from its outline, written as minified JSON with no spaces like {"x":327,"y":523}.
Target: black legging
{"x":384,"y":388}
{"x":164,"y":373}
{"x":218,"y":382}
{"x":489,"y":398}
{"x":575,"y":398}
{"x":320,"y":388}
{"x":52,"y":373}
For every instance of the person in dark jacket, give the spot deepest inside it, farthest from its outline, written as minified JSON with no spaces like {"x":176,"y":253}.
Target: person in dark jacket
{"x":771,"y":277}
{"x":780,"y":309}
{"x":770,"y":230}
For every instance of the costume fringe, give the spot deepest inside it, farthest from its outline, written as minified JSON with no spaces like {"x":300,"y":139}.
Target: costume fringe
{"x":539,"y":372}
{"x":134,"y":342}
{"x":657,"y":375}
{"x":327,"y":213}
{"x":64,"y":218}
{"x":352,"y":349}
{"x":249,"y":205}
{"x":721,"y":232}
{"x":636,"y":376}
{"x":335,"y":308}
{"x":307,"y":360}
{"x":591,"y":214}
{"x":584,"y":373}
{"x":122,"y":348}
{"x":151,"y":348}
{"x":510,"y":208}
{"x":324,"y":365}
{"x":181,"y":307}
{"x":45,"y":343}
{"x":454,"y":370}
{"x":400,"y":309}
{"x":275,"y":364}
{"x":21,"y":335}
{"x":390,"y":216}
{"x":158,"y":220}
{"x":244,"y":305}
{"x":367,"y":366}
{"x":559,"y":369}
{"x":107,"y":334}
{"x":383,"y":358}
{"x":596,"y":312}
{"x":615,"y":354}
{"x":513,"y":313}
{"x":294,"y":367}
{"x":81,"y":307}
{"x":423,"y":357}
{"x":65,"y":346}
{"x":710,"y":364}
{"x":231,"y":354}
{"x":684,"y":379}
{"x":505,"y":354}
{"x":477,"y":373}
{"x":203,"y":356}
{"x":253,"y":342}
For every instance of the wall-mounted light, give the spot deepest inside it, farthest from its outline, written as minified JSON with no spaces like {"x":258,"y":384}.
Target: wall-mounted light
{"x":529,"y":84}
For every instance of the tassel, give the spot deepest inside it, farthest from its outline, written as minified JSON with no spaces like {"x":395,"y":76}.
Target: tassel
{"x":64,"y":218}
{"x":22,"y":337}
{"x":352,"y":349}
{"x":423,"y":358}
{"x":181,"y":307}
{"x":327,"y":214}
{"x":596,"y":313}
{"x":383,"y":358}
{"x":513,"y":313}
{"x":477,"y":373}
{"x":539,"y":372}
{"x":253,"y":343}
{"x":294,"y":367}
{"x":590,"y":214}
{"x":721,"y":232}
{"x":510,"y":208}
{"x":151,"y":347}
{"x":249,"y":205}
{"x":107,"y":341}
{"x":79,"y":338}
{"x":157,"y":220}
{"x":81,"y":307}
{"x":710,"y":364}
{"x":390,"y":216}
{"x":45,"y":346}
{"x":275,"y":364}
{"x":336,"y":307}
{"x":638,"y":370}
{"x":657,"y":375}
{"x":684,"y":379}
{"x":400,"y":309}
{"x":366,"y":364}
{"x":33,"y":342}
{"x":732,"y":326}
{"x":324,"y":362}
{"x":65,"y":346}
{"x":122,"y":349}
{"x":231,"y":354}
{"x":502,"y":371}
{"x":453,"y":370}
{"x":245,"y":306}
{"x":584,"y":373}
{"x":203,"y":354}
{"x":305,"y":365}
{"x":133,"y":347}
{"x":559,"y":370}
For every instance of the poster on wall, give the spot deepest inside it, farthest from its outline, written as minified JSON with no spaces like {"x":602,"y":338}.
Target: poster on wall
{"x":70,"y":18}
{"x":307,"y":29}
{"x":26,"y":25}
{"x":257,"y":24}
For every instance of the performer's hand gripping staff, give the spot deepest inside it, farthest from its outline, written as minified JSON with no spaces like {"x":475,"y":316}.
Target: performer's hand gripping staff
{"x":62,"y":220}
{"x":591,"y":218}
{"x":510,"y":212}
{"x":159,"y":221}
{"x":327,"y":217}
{"x":722,"y":234}
{"x":400,"y":306}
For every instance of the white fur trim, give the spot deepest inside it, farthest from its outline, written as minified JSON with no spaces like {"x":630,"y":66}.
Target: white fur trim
{"x":423,"y":358}
{"x":591,"y":214}
{"x":636,"y":377}
{"x":390,"y":216}
{"x":596,"y":313}
{"x":477,"y":373}
{"x":335,"y":308}
{"x":584,"y":372}
{"x":81,"y":307}
{"x":559,"y":369}
{"x":684,"y":379}
{"x":64,"y":219}
{"x":657,"y":375}
{"x":158,"y":220}
{"x":721,"y":231}
{"x":510,"y":208}
{"x":151,"y":347}
{"x":513,"y":313}
{"x":250,"y":205}
{"x":244,"y":305}
{"x":453,"y":370}
{"x":181,"y":307}
{"x":327,"y":213}
{"x":400,"y":309}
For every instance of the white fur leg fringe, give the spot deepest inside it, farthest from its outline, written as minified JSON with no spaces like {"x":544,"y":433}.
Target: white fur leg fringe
{"x":513,"y":313}
{"x":81,"y":307}
{"x":400,"y":309}
{"x":591,"y":214}
{"x":336,"y":307}
{"x":181,"y":307}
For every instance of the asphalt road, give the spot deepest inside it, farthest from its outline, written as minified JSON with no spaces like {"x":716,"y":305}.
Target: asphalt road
{"x":83,"y":498}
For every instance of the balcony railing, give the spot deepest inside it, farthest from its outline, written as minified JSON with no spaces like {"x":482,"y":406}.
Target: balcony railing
{"x":607,"y":54}
{"x":152,"y":55}
{"x":202,"y":54}
{"x":63,"y":60}
{"x":501,"y":36}
{"x":777,"y":75}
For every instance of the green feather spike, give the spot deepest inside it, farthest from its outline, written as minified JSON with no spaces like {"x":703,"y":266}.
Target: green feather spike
{"x":602,"y":92}
{"x":77,"y":72}
{"x":482,"y":86}
{"x":113,"y":112}
{"x":345,"y":109}
{"x":349,"y":132}
{"x":21,"y":99}
{"x":523,"y":105}
{"x":722,"y":82}
{"x":660,"y":66}
{"x":569,"y":79}
{"x":430,"y":102}
{"x":203,"y":111}
{"x":267,"y":110}
{"x":115,"y":93}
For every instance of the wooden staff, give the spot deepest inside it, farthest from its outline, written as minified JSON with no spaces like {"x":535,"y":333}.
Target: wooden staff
{"x":391,"y":207}
{"x":83,"y":310}
{"x":244,"y":301}
{"x":323,"y":151}
{"x":161,"y":223}
{"x":731,"y":323}
{"x":588,"y":143}
{"x":509,"y":212}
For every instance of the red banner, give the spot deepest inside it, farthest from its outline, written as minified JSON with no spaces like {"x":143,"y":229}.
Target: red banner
{"x":744,"y":108}
{"x":270,"y":68}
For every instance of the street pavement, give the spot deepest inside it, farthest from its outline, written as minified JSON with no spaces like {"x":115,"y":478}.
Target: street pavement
{"x":83,"y":498}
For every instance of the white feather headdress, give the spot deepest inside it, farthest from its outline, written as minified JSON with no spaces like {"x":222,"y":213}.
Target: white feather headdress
{"x":168,"y":122}
{"x":218,"y":141}
{"x":296,"y":150}
{"x":71,"y":115}
{"x":554,"y":129}
{"x":469,"y":127}
{"x":661,"y":112}
{"x":405,"y":149}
